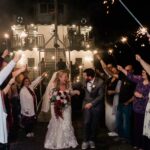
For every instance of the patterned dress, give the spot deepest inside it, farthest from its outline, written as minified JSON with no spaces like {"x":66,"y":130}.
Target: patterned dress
{"x":146,"y":129}
{"x":60,"y":134}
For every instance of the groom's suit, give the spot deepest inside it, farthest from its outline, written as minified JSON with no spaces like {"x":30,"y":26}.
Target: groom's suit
{"x":91,"y":116}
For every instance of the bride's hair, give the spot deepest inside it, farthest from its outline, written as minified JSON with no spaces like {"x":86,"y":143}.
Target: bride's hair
{"x":59,"y":74}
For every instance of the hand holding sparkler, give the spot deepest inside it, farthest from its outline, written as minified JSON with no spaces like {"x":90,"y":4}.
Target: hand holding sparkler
{"x":98,"y":57}
{"x":18,"y":71}
{"x":5,"y":53}
{"x":17,"y":57}
{"x":138,"y":57}
{"x":44,"y":74}
{"x":120,"y":68}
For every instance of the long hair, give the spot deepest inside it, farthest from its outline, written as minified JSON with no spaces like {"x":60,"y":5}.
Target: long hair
{"x":58,"y":75}
{"x":25,"y":78}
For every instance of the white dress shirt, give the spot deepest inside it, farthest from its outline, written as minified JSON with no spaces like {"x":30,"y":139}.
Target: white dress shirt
{"x":90,"y":84}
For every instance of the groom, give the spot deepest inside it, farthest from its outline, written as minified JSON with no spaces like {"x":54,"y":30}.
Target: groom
{"x":92,"y":106}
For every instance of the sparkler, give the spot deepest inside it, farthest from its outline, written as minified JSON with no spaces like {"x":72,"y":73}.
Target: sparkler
{"x":108,"y":4}
{"x":142,"y":30}
{"x":110,"y":51}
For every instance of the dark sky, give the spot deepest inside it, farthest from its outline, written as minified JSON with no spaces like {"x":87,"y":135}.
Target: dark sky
{"x":106,"y":27}
{"x":117,"y":20}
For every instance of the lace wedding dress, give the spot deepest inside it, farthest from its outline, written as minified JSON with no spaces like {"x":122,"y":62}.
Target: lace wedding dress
{"x":60,"y":134}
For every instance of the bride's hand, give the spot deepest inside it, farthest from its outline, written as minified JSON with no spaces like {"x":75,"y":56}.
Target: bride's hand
{"x":77,"y":92}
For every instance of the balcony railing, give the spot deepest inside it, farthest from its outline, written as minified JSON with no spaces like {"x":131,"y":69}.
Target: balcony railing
{"x":28,"y":42}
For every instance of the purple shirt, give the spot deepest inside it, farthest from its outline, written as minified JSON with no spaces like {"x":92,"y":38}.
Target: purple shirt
{"x":139,"y":104}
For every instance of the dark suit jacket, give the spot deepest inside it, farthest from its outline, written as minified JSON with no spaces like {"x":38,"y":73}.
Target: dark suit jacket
{"x":96,"y":95}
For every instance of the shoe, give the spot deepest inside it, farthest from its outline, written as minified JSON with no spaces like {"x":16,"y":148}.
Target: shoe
{"x":112,"y":134}
{"x":135,"y":147}
{"x":32,"y":134}
{"x":117,"y":139}
{"x":85,"y":145}
{"x":28,"y":135}
{"x":92,"y":144}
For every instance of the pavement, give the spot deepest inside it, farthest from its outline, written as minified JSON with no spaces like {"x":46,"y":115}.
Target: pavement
{"x":104,"y":142}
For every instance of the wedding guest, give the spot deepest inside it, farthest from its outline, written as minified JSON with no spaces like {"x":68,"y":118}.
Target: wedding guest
{"x":2,"y":57}
{"x":111,"y":95}
{"x":93,"y":105}
{"x":139,"y":103}
{"x":28,"y":102}
{"x":125,"y":109}
{"x":146,"y":127}
{"x":3,"y":75}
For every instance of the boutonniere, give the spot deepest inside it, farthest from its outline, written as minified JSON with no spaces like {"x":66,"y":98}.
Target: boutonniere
{"x":93,"y":86}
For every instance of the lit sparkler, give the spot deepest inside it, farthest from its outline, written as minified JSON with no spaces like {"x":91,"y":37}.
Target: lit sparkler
{"x":110,"y":51}
{"x":141,"y":32}
{"x":124,"y":39}
{"x":107,"y":4}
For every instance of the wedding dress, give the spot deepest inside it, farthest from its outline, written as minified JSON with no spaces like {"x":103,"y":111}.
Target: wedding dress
{"x":60,"y":133}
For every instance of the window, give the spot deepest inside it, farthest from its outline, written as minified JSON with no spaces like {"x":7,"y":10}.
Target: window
{"x":31,"y":62}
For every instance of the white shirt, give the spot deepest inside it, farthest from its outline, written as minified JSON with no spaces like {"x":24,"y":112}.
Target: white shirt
{"x":90,"y":84}
{"x":3,"y":124}
{"x":26,"y":99}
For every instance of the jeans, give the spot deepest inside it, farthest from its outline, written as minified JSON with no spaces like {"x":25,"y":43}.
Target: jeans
{"x":123,"y":120}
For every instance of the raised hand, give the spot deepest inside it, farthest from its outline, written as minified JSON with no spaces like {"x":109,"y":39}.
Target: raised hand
{"x":44,"y":74}
{"x":17,"y":57}
{"x":18,"y":71}
{"x":138,"y":57}
{"x":5,"y":53}
{"x":12,"y":80}
{"x":120,"y":68}
{"x":98,"y":57}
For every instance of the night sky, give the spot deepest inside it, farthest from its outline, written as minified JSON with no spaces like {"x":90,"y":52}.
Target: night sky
{"x":107,"y":28}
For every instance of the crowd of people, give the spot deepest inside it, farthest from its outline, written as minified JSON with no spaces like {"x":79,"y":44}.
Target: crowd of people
{"x":123,"y":95}
{"x":128,"y":96}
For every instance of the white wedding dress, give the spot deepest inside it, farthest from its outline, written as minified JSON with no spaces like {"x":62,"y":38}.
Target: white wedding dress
{"x":60,"y":134}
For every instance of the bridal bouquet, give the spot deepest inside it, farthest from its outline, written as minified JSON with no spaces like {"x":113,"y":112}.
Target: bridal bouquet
{"x":60,"y":99}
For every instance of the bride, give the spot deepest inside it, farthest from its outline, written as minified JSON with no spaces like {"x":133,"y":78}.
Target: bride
{"x":60,"y":133}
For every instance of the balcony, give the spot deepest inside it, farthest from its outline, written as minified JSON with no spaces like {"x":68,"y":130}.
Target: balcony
{"x":27,"y":42}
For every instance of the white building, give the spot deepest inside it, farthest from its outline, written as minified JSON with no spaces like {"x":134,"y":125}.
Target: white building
{"x":38,"y":41}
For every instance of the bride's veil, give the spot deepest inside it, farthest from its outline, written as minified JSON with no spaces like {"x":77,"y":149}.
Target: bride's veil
{"x":46,"y":102}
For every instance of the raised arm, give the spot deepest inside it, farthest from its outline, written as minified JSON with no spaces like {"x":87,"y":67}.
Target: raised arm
{"x":8,"y":86}
{"x":120,"y":68}
{"x":38,"y":80}
{"x":144,"y":64}
{"x":12,"y":80}
{"x":7,"y":70}
{"x":104,"y":66}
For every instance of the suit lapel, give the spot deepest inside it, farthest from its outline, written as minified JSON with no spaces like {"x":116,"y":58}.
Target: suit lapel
{"x":94,"y":84}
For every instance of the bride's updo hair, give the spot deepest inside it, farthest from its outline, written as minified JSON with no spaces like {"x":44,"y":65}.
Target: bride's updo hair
{"x":59,"y":74}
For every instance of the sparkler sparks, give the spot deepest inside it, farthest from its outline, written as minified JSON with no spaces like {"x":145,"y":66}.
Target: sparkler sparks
{"x":107,"y":4}
{"x":141,"y":32}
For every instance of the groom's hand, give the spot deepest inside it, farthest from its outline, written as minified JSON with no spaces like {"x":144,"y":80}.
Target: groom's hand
{"x":88,"y":106}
